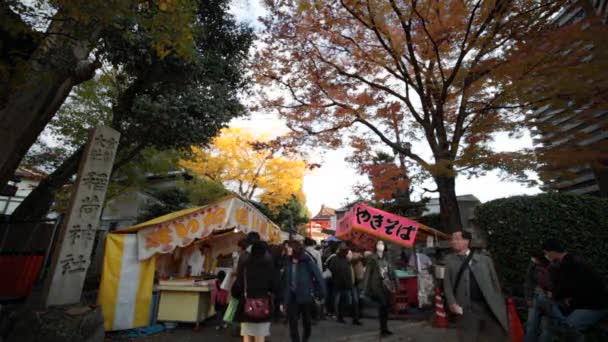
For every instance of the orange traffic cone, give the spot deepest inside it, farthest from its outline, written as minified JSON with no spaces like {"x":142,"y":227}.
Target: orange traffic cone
{"x":441,"y":320}
{"x":517,"y":330}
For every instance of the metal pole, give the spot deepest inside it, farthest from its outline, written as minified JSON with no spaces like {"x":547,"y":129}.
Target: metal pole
{"x":5,"y":235}
{"x":290,"y":226}
{"x":49,"y":248}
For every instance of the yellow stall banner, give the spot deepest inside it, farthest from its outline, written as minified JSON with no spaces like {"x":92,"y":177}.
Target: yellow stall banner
{"x":125,"y":292}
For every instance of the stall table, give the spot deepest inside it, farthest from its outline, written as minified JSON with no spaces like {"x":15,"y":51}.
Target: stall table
{"x":180,"y":303}
{"x":407,"y":293}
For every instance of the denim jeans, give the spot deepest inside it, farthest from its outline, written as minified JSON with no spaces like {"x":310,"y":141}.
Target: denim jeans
{"x":537,"y":321}
{"x":576,"y":322}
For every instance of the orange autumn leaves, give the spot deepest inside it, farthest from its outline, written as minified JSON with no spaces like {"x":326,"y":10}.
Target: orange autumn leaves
{"x":387,"y":180}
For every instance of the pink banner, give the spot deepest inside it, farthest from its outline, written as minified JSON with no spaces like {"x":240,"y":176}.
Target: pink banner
{"x":345,"y":231}
{"x":383,"y":225}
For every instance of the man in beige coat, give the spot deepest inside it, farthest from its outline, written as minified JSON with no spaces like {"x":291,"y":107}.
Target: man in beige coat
{"x":475,"y":296}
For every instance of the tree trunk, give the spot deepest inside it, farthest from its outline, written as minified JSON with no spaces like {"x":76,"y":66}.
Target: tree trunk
{"x":601,"y":176}
{"x":449,"y":211}
{"x":41,"y":85}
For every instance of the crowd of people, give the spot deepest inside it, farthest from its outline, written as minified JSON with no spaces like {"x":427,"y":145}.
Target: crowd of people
{"x":304,"y":283}
{"x":564,"y":293}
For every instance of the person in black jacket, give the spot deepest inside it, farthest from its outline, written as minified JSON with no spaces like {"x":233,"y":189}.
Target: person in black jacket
{"x":579,"y":294}
{"x":301,"y":281}
{"x":343,"y":277}
{"x":255,"y":279}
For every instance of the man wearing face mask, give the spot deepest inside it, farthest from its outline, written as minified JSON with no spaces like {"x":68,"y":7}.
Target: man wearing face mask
{"x":343,"y":276}
{"x":380,"y":284}
{"x":473,"y":293}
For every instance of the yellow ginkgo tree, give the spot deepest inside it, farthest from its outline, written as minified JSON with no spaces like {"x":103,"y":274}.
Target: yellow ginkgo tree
{"x":255,"y":167}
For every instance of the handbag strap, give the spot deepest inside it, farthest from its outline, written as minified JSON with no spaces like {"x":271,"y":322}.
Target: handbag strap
{"x":312,"y":257}
{"x":461,"y":270}
{"x":309,"y":266}
{"x":245,"y":280}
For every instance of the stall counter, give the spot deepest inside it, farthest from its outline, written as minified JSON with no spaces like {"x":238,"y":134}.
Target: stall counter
{"x":190,"y":304}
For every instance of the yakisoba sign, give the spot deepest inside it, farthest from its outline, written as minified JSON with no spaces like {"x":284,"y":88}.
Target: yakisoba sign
{"x":364,"y":225}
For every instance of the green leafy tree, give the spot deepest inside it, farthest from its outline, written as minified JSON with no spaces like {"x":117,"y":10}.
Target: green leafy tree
{"x":294,"y":214}
{"x":50,"y":46}
{"x":188,"y":193}
{"x":161,"y":103}
{"x":173,"y":199}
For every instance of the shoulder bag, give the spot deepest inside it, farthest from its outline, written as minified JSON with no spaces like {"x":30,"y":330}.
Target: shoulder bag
{"x":464,"y":265}
{"x":387,"y":282}
{"x":256,"y":308}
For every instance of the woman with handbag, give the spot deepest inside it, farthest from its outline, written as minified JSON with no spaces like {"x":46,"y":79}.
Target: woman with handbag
{"x":255,"y":287}
{"x":302,"y":282}
{"x":380,"y":284}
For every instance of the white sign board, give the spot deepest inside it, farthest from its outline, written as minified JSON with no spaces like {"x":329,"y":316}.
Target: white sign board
{"x":73,"y":253}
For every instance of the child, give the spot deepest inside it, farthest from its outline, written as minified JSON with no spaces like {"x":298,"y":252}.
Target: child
{"x":220,"y":300}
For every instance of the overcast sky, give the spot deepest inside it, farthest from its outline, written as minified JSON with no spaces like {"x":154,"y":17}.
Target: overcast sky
{"x":332,"y":183}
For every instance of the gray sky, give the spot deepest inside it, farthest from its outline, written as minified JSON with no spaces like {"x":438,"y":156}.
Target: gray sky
{"x":332,"y":183}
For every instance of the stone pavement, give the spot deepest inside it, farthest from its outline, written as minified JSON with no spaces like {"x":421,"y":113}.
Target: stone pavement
{"x":324,"y":331}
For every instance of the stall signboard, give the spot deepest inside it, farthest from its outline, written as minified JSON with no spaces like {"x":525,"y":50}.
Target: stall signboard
{"x":345,"y":231}
{"x":199,"y":223}
{"x":364,"y":225}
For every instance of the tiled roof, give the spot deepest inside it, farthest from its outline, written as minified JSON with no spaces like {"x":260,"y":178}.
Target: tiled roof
{"x":324,"y":213}
{"x":30,"y":173}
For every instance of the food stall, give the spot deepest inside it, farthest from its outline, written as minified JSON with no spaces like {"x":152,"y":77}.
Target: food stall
{"x":181,"y":250}
{"x":363,"y":226}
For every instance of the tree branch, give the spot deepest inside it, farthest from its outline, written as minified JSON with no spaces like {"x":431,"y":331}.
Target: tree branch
{"x":413,"y":60}
{"x":373,"y":85}
{"x":408,"y":153}
{"x":427,"y":190}
{"x":435,"y":46}
{"x":402,"y":68}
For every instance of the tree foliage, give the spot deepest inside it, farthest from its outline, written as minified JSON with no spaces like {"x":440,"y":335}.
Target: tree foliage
{"x":292,"y":214}
{"x":518,"y":225}
{"x":48,"y":47}
{"x":387,"y":180}
{"x":253,"y":167}
{"x":186,"y":194}
{"x":155,"y":103}
{"x":447,"y":73}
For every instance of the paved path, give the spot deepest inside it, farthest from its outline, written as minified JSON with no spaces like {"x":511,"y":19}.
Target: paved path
{"x":324,"y":331}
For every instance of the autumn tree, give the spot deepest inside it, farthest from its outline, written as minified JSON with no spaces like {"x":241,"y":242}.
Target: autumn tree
{"x":255,"y":167}
{"x":572,"y":117}
{"x":48,"y":47}
{"x":290,"y":215}
{"x":159,"y":103}
{"x":448,"y":72}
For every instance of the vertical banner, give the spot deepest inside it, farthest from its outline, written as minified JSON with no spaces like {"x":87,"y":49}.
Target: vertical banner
{"x":73,"y":253}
